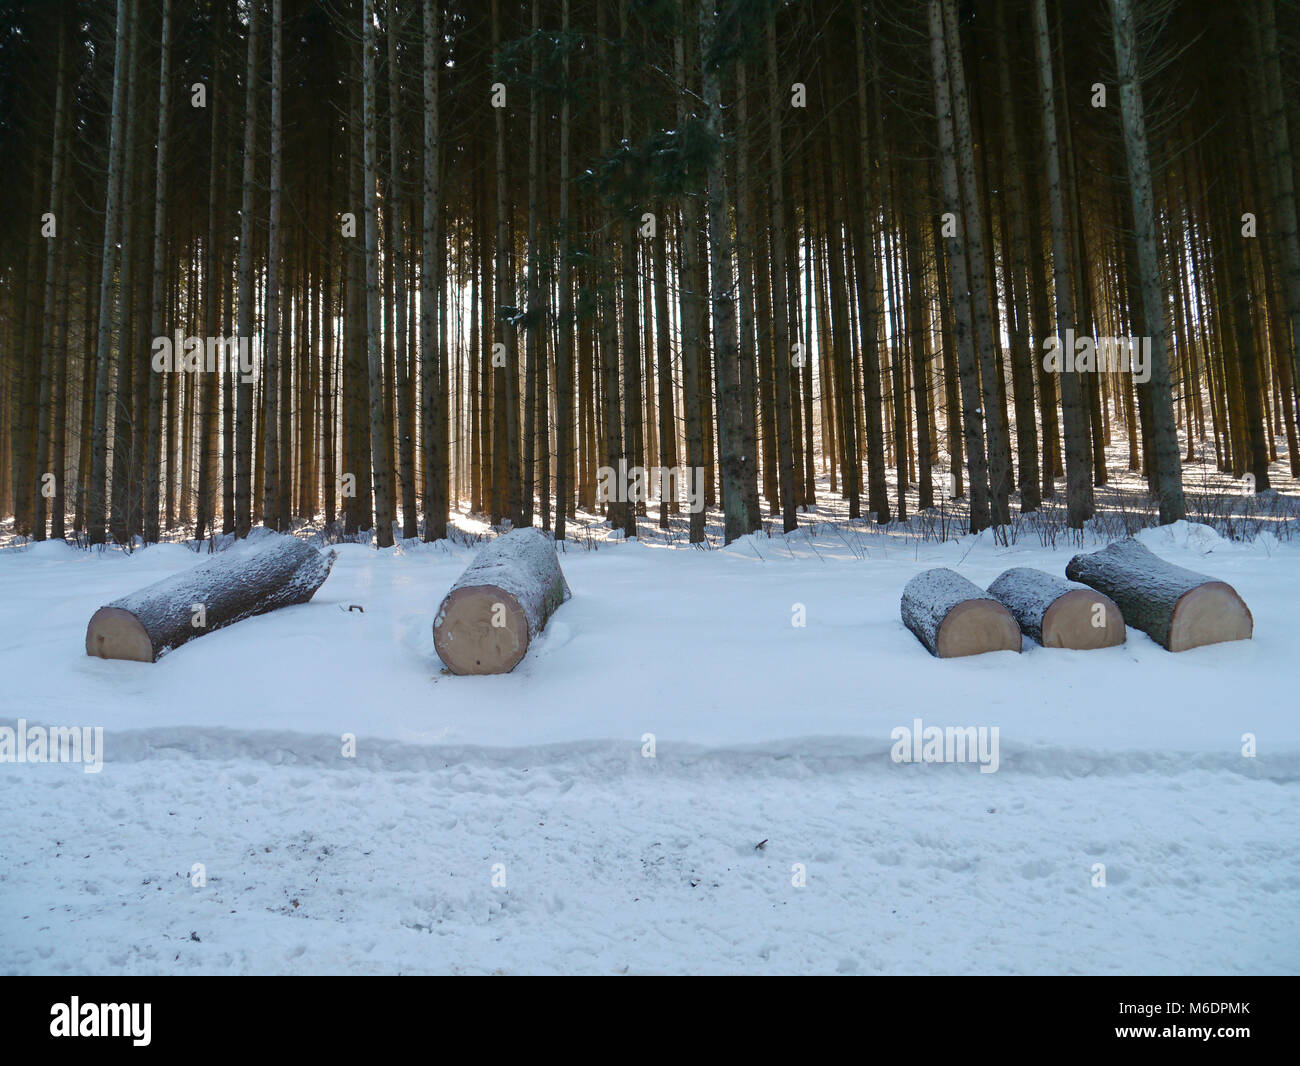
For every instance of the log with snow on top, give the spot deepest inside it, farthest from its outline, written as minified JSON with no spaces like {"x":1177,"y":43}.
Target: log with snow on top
{"x":953,"y":617}
{"x":270,"y":572}
{"x":1177,"y":608}
{"x":500,"y":603}
{"x":1058,"y":614}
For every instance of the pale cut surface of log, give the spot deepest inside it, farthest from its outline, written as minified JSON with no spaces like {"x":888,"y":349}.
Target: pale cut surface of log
{"x":954,"y":617}
{"x":251,"y":578}
{"x":1178,"y":608}
{"x":500,"y":603}
{"x":1058,"y":614}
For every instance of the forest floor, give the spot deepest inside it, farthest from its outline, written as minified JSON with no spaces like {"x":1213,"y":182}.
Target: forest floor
{"x":519,"y":824}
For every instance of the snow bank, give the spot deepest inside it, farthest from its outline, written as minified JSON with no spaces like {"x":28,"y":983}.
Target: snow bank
{"x":1184,"y":536}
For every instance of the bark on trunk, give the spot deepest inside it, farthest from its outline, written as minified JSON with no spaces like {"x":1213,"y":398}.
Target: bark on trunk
{"x":500,"y":603}
{"x":976,"y":460}
{"x":1168,"y":458}
{"x":953,"y":617}
{"x":1078,"y":494}
{"x":564,"y":347}
{"x":998,"y":456}
{"x":725,"y":338}
{"x":397,"y":264}
{"x":272,"y":572}
{"x":48,"y":331}
{"x":1175,"y":607}
{"x":1057,"y":614}
{"x":108,"y":265}
{"x":271,"y":473}
{"x":247,"y":295}
{"x":432,"y":340}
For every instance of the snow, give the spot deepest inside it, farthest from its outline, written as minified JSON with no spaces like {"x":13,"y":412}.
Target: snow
{"x":1193,"y":537}
{"x":929,"y":596}
{"x":229,"y":753}
{"x":942,"y":588}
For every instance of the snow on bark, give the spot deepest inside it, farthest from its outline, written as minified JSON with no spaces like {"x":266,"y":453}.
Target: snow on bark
{"x":500,"y":603}
{"x":953,"y":617}
{"x":1176,"y":607}
{"x":260,"y":575}
{"x":1056,"y":613}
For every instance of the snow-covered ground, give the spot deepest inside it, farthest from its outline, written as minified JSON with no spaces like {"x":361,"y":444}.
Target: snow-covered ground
{"x":516,"y":823}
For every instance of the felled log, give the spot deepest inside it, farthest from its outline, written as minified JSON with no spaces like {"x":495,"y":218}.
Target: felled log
{"x":1177,"y":608}
{"x":1058,"y":614}
{"x":953,"y":617}
{"x":500,"y":603}
{"x":230,"y":586}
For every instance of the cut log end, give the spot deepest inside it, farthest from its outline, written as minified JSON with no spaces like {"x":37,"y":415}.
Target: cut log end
{"x":1178,"y":608}
{"x":481,"y":629}
{"x":117,"y":634}
{"x":974,"y":627}
{"x":1082,"y":620}
{"x":500,"y":604}
{"x":1212,"y":613}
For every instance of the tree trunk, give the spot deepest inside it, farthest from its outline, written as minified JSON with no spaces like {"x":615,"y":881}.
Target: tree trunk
{"x":1283,"y":173}
{"x":1078,"y":472}
{"x":1015,"y":257}
{"x":397,"y":265}
{"x":271,"y":488}
{"x":506,"y":377}
{"x":954,"y":617}
{"x":692,"y":314}
{"x":877,"y":494}
{"x":1165,"y":431}
{"x":378,"y":440}
{"x":1177,"y":608}
{"x":210,"y":379}
{"x":564,"y":350}
{"x":268,"y":573}
{"x":499,"y":605}
{"x":532,"y":316}
{"x":745,"y":249}
{"x":112,"y":222}
{"x":976,"y":462}
{"x":725,"y":341}
{"x":781,"y":347}
{"x":432,"y":341}
{"x":48,"y":326}
{"x":247,"y":292}
{"x":999,"y":471}
{"x":1057,"y":614}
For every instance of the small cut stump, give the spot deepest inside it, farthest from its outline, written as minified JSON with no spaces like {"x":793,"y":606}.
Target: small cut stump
{"x":954,"y":617}
{"x":1056,"y":613}
{"x":500,"y":603}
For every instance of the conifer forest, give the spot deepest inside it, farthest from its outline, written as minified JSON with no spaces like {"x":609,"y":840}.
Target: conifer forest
{"x":649,"y":487}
